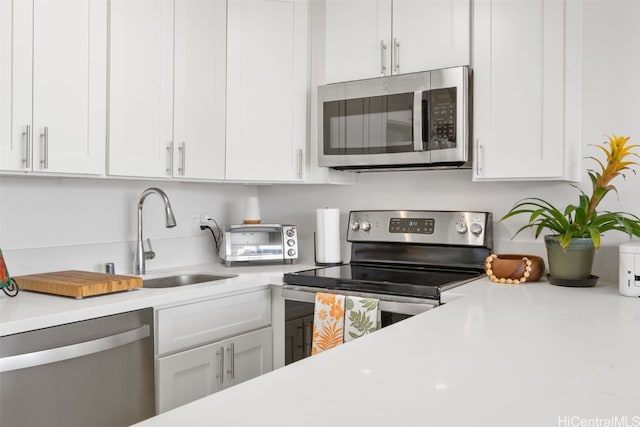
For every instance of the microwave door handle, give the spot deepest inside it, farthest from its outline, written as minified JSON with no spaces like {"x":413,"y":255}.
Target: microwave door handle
{"x":418,"y":144}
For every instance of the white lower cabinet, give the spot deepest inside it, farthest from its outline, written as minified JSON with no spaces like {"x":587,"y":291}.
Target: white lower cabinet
{"x":205,"y":346}
{"x":196,"y":373}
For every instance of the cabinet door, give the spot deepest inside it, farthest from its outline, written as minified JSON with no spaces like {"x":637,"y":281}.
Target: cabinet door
{"x":200,"y":84}
{"x":248,"y":356}
{"x":69,"y":85}
{"x":188,"y":376}
{"x":524,"y":76}
{"x":357,"y":39}
{"x":15,"y":84}
{"x":57,"y":96}
{"x":266,"y":89}
{"x":429,"y":35}
{"x":141,"y":88}
{"x":199,"y":372}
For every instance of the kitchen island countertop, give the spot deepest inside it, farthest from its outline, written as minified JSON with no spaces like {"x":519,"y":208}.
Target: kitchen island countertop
{"x":496,"y":355}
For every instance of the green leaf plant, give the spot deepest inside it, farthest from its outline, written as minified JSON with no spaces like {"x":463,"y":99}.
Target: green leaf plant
{"x":583,"y":220}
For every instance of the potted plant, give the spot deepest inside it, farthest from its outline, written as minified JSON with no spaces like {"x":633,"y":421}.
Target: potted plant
{"x":576,"y":229}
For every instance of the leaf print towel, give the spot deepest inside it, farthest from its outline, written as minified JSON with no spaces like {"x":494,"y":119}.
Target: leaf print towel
{"x":328,"y":322}
{"x":362,"y":316}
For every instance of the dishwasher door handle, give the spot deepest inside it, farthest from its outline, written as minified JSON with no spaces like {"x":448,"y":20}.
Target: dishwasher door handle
{"x":58,"y":354}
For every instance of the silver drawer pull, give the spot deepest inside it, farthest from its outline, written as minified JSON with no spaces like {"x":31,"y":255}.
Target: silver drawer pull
{"x":27,"y":147}
{"x":232,"y":356}
{"x":45,"y":148}
{"x":220,"y":374}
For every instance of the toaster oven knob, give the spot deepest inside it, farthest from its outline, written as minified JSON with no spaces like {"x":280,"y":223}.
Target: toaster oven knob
{"x":366,"y":226}
{"x":461,"y":227}
{"x":355,"y":225}
{"x":291,"y":232}
{"x":291,"y":252}
{"x":291,"y":242}
{"x":476,"y":228}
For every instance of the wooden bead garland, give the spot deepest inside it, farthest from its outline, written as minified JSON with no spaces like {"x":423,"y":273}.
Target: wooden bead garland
{"x":523,"y":267}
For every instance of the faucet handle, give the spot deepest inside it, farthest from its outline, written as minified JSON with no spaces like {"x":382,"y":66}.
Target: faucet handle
{"x":150,"y":254}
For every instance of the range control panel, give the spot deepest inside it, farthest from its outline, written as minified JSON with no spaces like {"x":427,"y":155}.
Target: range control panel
{"x":424,"y":227}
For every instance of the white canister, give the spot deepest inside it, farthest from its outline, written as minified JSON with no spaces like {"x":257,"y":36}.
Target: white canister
{"x":629,"y":269}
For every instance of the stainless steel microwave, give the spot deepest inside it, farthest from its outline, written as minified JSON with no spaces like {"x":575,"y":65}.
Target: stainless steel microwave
{"x":408,"y":121}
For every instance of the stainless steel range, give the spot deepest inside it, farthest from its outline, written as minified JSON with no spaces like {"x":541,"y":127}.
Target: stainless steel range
{"x":406,"y":259}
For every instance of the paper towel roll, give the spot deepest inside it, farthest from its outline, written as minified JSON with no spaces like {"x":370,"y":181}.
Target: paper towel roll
{"x":327,"y":236}
{"x":252,"y":211}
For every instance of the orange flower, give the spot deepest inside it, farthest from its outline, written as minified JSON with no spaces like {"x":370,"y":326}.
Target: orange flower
{"x":337,"y":311}
{"x":326,"y":299}
{"x":322,"y":314}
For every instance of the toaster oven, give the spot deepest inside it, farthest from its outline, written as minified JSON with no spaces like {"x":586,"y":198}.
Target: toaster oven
{"x":259,"y":243}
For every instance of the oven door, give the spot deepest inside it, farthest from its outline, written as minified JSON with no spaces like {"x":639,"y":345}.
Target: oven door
{"x":299,"y":308}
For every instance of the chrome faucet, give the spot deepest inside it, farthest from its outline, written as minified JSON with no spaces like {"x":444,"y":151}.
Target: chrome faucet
{"x":141,"y":254}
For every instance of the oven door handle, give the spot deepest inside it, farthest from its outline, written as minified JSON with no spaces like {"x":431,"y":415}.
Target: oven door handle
{"x":390,"y":303}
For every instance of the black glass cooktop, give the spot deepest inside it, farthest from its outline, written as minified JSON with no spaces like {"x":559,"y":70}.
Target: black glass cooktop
{"x":419,"y":282}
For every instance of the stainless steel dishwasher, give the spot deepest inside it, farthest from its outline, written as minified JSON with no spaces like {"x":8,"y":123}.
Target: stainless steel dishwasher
{"x":97,"y":372}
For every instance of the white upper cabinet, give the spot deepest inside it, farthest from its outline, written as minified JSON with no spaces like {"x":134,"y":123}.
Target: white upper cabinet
{"x":526,"y":63}
{"x":166,"y":106}
{"x":200,"y":85}
{"x":53,"y":86}
{"x":266,"y":89}
{"x":374,"y":38}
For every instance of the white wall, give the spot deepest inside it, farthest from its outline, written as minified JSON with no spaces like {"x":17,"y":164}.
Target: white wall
{"x":58,"y":223}
{"x":49,"y":224}
{"x":610,"y":104}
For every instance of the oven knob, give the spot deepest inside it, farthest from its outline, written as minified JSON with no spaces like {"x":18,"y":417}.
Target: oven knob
{"x":366,"y":226}
{"x":461,"y":227}
{"x":291,"y":232}
{"x":476,"y":228}
{"x":355,"y":225}
{"x":291,"y":252}
{"x":291,"y":242}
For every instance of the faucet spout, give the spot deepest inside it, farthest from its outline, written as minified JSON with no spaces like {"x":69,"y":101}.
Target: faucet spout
{"x":170,"y":222}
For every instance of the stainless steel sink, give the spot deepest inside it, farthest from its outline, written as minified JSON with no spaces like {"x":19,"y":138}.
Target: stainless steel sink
{"x":183,"y":280}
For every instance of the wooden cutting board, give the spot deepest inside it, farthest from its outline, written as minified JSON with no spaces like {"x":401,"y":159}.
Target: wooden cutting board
{"x":77,"y":284}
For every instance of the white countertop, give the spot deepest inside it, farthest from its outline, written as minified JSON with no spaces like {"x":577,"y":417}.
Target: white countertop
{"x":31,"y":310}
{"x":497,"y":355}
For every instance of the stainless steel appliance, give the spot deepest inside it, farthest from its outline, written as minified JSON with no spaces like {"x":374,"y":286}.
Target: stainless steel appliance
{"x":409,"y":121}
{"x":406,"y":259}
{"x":97,"y":372}
{"x":259,"y":243}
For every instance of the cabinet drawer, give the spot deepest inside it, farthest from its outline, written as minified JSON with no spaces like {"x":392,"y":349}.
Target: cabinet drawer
{"x":201,"y":322}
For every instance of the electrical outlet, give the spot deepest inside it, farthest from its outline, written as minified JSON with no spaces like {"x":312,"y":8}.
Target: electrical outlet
{"x":204,"y":218}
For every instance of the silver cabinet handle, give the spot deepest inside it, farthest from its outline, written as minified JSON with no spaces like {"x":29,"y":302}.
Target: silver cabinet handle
{"x":383,"y":57}
{"x":396,"y":55}
{"x":27,"y":147}
{"x":220,"y":375}
{"x":59,"y":354}
{"x":183,"y":150}
{"x":45,"y":148}
{"x":479,"y":158}
{"x":170,"y":151}
{"x":232,"y":356}
{"x":300,"y":163}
